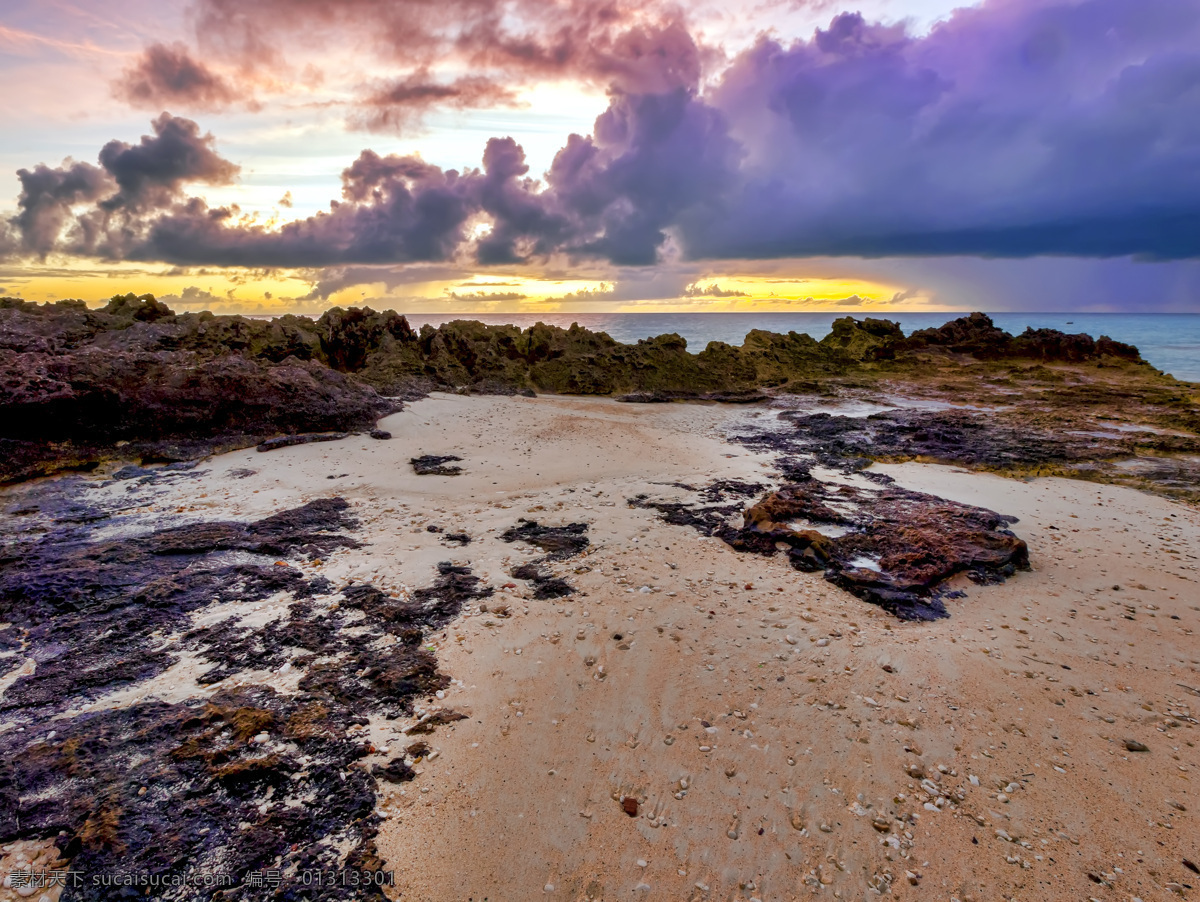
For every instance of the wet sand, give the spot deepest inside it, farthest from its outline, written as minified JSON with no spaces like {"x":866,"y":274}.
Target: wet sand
{"x":780,"y":736}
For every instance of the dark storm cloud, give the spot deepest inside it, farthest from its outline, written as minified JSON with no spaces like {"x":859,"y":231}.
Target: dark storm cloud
{"x":169,"y":76}
{"x":1016,"y":128}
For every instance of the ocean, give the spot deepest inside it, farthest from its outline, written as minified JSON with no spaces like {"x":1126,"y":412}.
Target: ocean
{"x":1169,"y":341}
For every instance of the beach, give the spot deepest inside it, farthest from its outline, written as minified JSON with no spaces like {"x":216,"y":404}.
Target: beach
{"x":777,"y":736}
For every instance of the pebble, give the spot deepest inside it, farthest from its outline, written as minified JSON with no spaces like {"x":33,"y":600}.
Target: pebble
{"x":1134,"y":746}
{"x":821,"y":643}
{"x":548,"y":888}
{"x":641,"y":862}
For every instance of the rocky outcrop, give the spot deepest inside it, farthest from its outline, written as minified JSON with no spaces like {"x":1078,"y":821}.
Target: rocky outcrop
{"x":889,"y":546}
{"x":559,"y":543}
{"x":979,"y":337}
{"x":135,"y":380}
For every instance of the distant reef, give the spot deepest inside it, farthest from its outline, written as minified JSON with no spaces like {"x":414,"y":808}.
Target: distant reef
{"x":136,"y":381}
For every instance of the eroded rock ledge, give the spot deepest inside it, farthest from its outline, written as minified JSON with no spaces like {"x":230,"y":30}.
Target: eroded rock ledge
{"x":134,"y":380}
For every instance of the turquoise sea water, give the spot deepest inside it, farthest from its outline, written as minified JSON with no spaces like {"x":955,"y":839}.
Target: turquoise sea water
{"x":1170,"y":341}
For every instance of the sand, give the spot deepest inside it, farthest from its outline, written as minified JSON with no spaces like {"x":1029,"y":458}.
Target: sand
{"x":773,"y":729}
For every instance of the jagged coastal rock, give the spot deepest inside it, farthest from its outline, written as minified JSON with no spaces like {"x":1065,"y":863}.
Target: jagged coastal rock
{"x":137,"y":381}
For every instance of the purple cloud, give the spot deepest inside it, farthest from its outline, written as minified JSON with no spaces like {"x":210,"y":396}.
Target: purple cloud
{"x":168,"y":75}
{"x":133,"y":184}
{"x":1016,"y":128}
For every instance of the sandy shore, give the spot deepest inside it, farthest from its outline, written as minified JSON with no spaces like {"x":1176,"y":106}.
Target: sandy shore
{"x":780,"y":736}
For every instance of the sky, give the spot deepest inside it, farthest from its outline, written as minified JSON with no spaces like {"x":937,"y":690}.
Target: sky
{"x":495,"y":156}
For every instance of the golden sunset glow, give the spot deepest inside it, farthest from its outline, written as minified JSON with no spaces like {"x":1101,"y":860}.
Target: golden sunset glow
{"x":290,"y":291}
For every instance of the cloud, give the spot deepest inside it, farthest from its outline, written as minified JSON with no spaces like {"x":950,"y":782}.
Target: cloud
{"x":1015,"y":128}
{"x":47,"y":198}
{"x":328,"y":281}
{"x":472,"y":296}
{"x":151,"y":173}
{"x":167,"y":75}
{"x":711,"y":291}
{"x":10,"y":242}
{"x":132,"y":182}
{"x":399,"y":105}
{"x":610,"y":41}
{"x":459,"y":54}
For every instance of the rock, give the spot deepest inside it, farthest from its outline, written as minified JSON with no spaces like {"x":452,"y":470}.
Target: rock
{"x":630,"y":806}
{"x":435,"y":465}
{"x":896,"y":548}
{"x":78,"y":382}
{"x":179,"y":386}
{"x":560,"y":543}
{"x":1134,"y":746}
{"x":286,"y":441}
{"x":381,"y":434}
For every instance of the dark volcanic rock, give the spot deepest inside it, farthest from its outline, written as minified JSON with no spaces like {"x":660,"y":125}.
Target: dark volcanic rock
{"x":435,"y":465}
{"x":170,"y":791}
{"x":559,"y":543}
{"x":713,"y":515}
{"x":887,"y":545}
{"x":94,"y":612}
{"x":890,"y":546}
{"x":956,"y":436}
{"x":979,"y":337}
{"x":75,"y":383}
{"x":224,"y":785}
{"x":286,"y":441}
